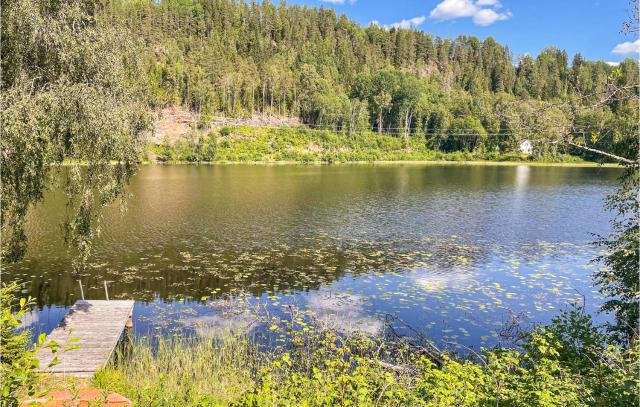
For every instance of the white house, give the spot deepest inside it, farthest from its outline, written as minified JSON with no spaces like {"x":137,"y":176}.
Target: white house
{"x":526,"y":147}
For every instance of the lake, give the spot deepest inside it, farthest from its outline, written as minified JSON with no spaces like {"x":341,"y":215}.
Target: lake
{"x":454,"y":251}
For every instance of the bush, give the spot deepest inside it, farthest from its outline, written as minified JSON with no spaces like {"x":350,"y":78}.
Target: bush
{"x":204,"y":120}
{"x":566,"y":363}
{"x":309,"y":145}
{"x":610,"y":373}
{"x":17,"y":356}
{"x":334,"y":370}
{"x":225,"y":131}
{"x":164,"y":151}
{"x":209,"y":147}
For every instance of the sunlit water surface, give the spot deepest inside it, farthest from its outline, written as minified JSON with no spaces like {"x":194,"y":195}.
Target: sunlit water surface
{"x":453,"y":251}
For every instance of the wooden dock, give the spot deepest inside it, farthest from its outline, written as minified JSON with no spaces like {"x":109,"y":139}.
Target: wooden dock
{"x":98,"y":325}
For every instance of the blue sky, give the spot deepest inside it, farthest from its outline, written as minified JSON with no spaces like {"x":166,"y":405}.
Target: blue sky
{"x":591,"y":27}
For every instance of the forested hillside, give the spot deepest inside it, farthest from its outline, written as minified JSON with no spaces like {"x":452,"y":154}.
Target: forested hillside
{"x":237,"y":58}
{"x":363,"y":285}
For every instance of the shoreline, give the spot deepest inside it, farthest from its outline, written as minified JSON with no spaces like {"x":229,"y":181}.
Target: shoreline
{"x":585,"y":164}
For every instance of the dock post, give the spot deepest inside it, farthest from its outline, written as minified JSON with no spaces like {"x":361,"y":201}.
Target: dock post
{"x":106,"y":291}
{"x":126,"y":346}
{"x":81,"y":290}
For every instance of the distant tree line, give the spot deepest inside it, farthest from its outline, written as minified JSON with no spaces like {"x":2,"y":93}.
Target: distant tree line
{"x":238,"y":58}
{"x":81,"y":77}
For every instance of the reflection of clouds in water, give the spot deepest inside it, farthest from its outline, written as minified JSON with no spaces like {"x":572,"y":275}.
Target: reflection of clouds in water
{"x":232,"y":315}
{"x":343,"y":312}
{"x":440,"y":281}
{"x":219,"y":325}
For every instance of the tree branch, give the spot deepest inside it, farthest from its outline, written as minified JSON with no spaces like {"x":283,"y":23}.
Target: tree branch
{"x":593,"y":150}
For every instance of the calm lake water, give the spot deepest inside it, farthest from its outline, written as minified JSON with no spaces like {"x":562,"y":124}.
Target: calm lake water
{"x":453,"y":251}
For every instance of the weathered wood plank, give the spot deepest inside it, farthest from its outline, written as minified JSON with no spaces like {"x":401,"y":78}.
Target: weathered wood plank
{"x":98,"y":326}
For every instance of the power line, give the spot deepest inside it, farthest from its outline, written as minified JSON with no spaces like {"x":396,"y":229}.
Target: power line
{"x":400,"y":131}
{"x":386,"y":130}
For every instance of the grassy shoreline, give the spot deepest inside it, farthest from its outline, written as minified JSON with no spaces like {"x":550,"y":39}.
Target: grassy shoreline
{"x":585,"y":164}
{"x":319,"y":366}
{"x":285,"y":146}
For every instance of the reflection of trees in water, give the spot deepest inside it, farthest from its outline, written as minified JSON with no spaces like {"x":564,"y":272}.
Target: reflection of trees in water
{"x":191,"y":230}
{"x":257,"y":271}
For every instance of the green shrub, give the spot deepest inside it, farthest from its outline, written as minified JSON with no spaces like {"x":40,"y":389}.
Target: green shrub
{"x":204,"y":119}
{"x":17,"y":356}
{"x":334,"y":370}
{"x":164,"y":151}
{"x":610,"y":373}
{"x":243,"y":143}
{"x":225,"y":131}
{"x":209,"y":147}
{"x":564,"y":364}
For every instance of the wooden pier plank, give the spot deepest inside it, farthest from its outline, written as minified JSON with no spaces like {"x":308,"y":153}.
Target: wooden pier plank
{"x":98,"y":325}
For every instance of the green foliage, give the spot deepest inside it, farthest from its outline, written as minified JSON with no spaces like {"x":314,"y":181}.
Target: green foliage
{"x":201,"y":371}
{"x":462,"y":94}
{"x":618,"y":278}
{"x":208,"y":147}
{"x":352,"y":371}
{"x":225,"y":131}
{"x":71,"y":92}
{"x":18,"y":362}
{"x":194,"y":148}
{"x":608,"y":373}
{"x":566,"y":363}
{"x":301,"y":144}
{"x":17,"y":356}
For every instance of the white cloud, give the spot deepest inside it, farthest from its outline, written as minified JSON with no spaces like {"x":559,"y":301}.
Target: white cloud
{"x":627,"y":47}
{"x":481,"y":11}
{"x":410,"y":23}
{"x":494,"y":3}
{"x":611,"y":63}
{"x":486,"y":16}
{"x":450,"y":9}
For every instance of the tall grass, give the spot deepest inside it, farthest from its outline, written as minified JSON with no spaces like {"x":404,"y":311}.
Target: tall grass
{"x":318,"y":366}
{"x":183,"y":371}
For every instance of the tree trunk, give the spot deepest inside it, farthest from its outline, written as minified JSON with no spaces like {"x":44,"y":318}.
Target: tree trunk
{"x":593,"y":150}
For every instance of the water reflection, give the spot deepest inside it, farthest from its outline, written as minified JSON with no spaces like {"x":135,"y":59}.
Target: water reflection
{"x":345,"y":313}
{"x":522,"y":178}
{"x":447,"y":248}
{"x":454,"y":280}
